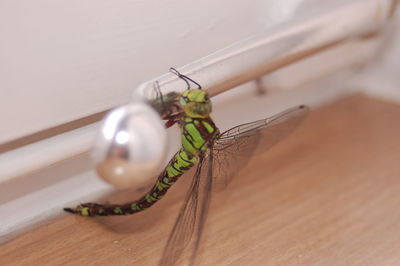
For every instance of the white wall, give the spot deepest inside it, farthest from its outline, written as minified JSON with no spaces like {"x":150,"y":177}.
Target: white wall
{"x":62,"y":60}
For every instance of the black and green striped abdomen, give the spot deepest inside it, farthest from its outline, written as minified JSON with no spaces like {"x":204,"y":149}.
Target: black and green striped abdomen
{"x":180,"y":163}
{"x":197,"y":133}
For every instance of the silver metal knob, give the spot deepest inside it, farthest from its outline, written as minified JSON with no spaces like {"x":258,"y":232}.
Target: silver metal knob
{"x":131,"y":146}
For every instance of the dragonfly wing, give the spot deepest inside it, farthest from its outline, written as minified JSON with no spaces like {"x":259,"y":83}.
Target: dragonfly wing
{"x":166,"y":105}
{"x":206,"y":177}
{"x":223,"y":160}
{"x":233,"y":149}
{"x":192,"y":214}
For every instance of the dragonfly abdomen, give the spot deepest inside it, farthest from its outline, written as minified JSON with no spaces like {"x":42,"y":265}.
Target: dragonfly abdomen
{"x":180,"y":163}
{"x":197,"y":133}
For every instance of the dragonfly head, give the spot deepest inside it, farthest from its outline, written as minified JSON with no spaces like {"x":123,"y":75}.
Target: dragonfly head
{"x":196,"y":103}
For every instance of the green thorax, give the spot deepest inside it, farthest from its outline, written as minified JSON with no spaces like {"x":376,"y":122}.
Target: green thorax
{"x":198,"y":129}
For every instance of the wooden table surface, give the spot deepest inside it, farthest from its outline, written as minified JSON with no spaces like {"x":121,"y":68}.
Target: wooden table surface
{"x":328,"y":195}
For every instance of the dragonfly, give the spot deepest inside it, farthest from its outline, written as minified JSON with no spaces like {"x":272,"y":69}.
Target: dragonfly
{"x":216,"y":156}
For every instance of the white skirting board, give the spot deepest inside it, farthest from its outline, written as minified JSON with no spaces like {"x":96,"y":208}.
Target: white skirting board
{"x":237,"y":106}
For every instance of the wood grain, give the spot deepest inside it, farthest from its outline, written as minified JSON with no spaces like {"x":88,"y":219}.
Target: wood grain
{"x":328,"y":195}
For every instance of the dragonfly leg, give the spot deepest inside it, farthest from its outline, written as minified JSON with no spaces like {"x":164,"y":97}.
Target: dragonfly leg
{"x":172,"y":119}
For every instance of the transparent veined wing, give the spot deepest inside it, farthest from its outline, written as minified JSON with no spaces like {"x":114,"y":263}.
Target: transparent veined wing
{"x":230,"y":152}
{"x":192,"y":215}
{"x":234,"y":147}
{"x":164,"y":104}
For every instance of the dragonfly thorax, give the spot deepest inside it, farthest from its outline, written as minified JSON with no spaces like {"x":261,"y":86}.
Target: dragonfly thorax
{"x":195,"y":103}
